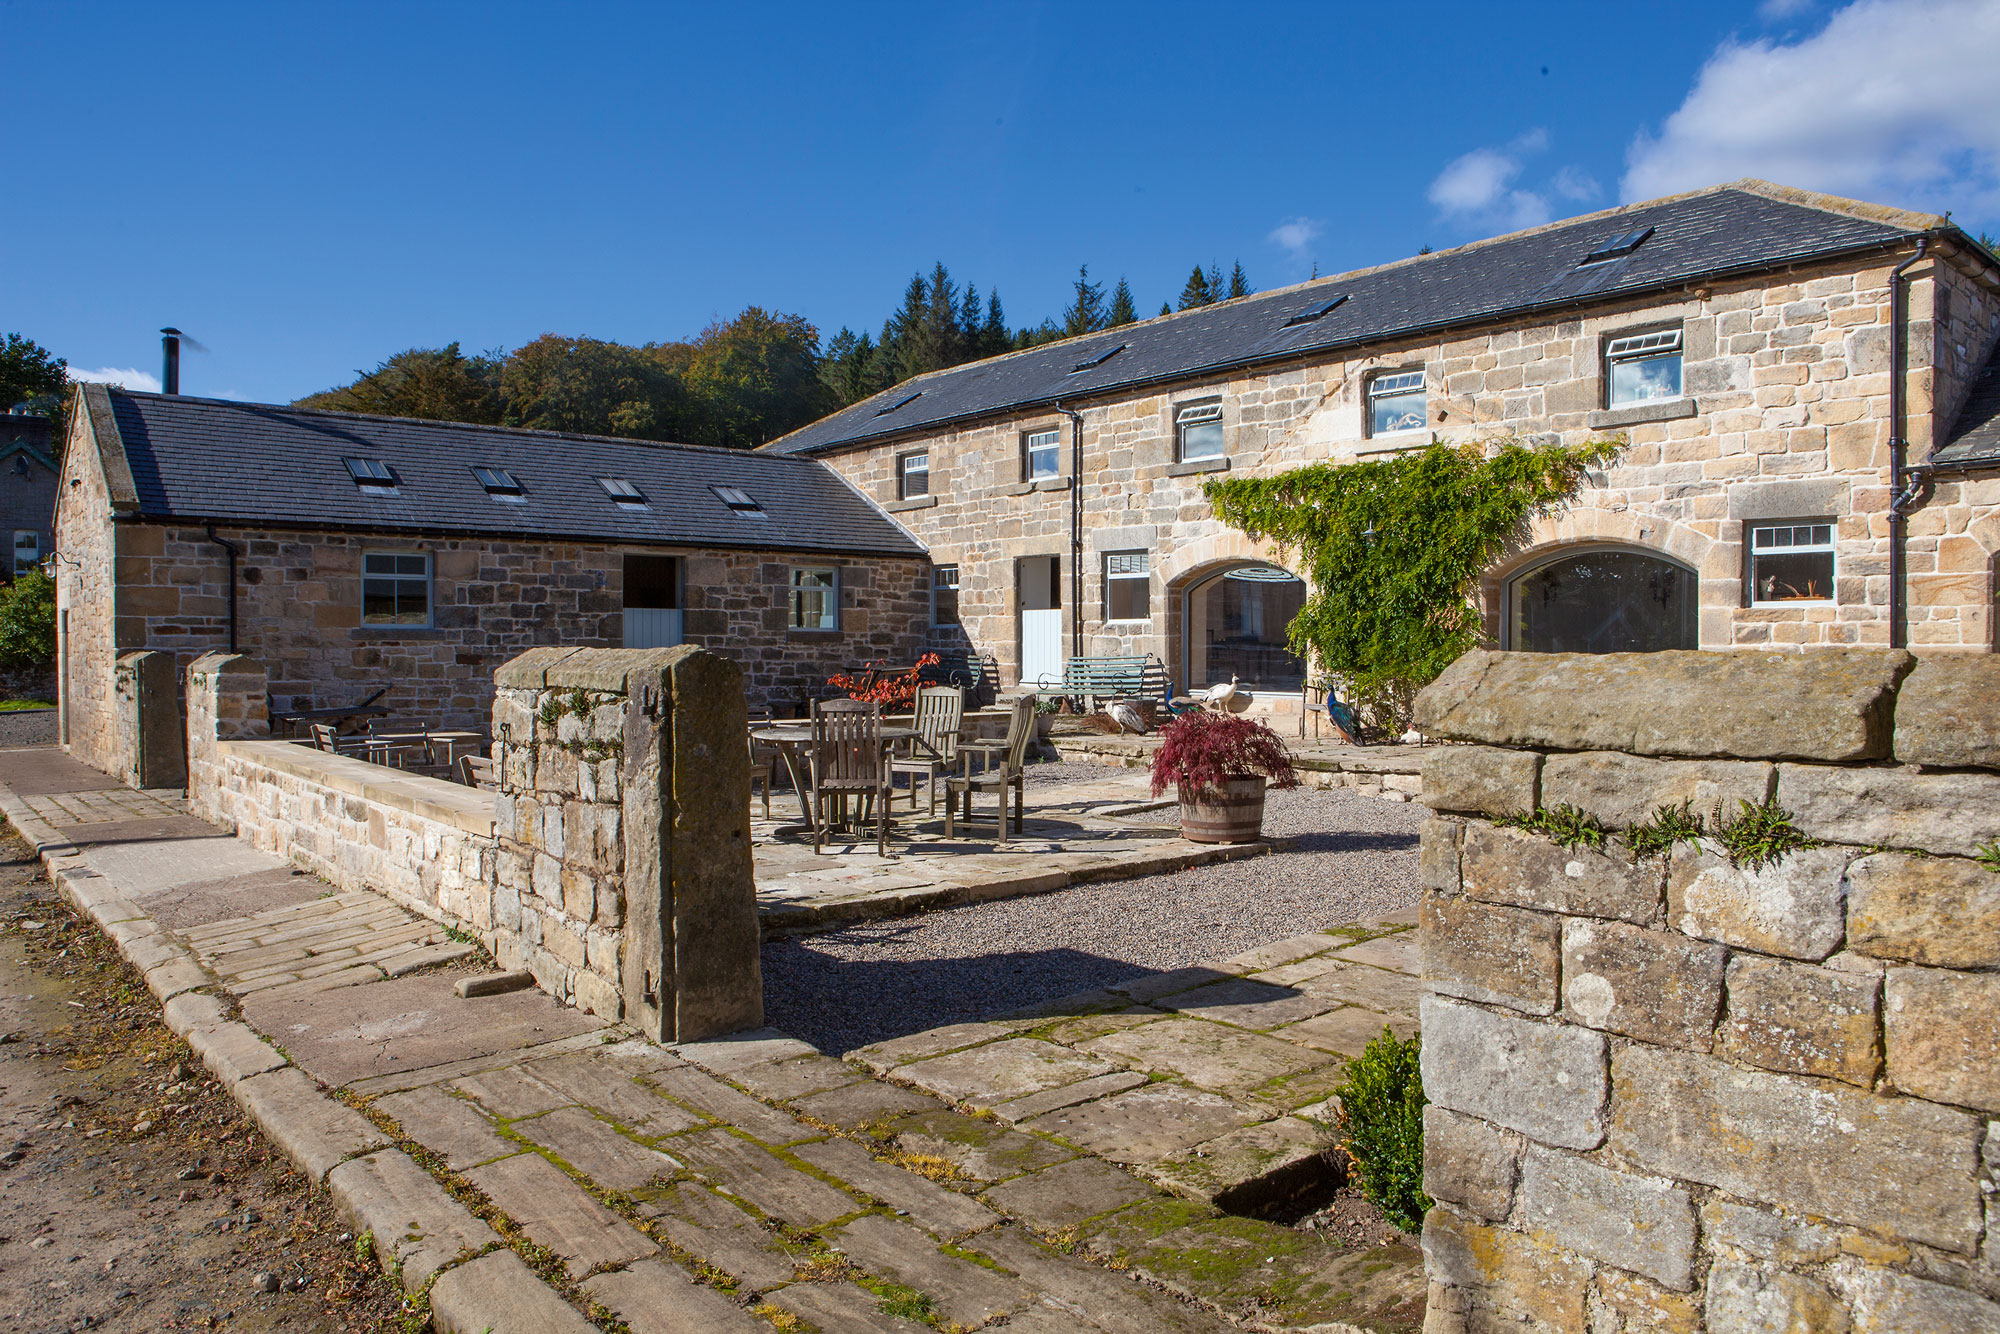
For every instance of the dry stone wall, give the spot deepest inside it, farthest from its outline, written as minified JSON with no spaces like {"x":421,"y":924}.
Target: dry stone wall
{"x":613,"y":864}
{"x":1677,"y":1092}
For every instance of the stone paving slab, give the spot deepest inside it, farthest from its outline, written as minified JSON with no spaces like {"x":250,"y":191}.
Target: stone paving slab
{"x":980,"y":1149}
{"x":497,"y":1292}
{"x":775,"y":1188}
{"x":1067,"y":1194}
{"x":1208,"y":1055}
{"x":416,"y":1227}
{"x":315,"y":1132}
{"x":1002,"y":1071}
{"x":720,"y":1234}
{"x":555,"y":1212}
{"x":452,"y":1128}
{"x":652,"y":1298}
{"x":590,"y":1146}
{"x":731,"y":1107}
{"x":945,"y":1214}
{"x":841,"y":1308}
{"x":614,"y":1092}
{"x":969,"y":1294}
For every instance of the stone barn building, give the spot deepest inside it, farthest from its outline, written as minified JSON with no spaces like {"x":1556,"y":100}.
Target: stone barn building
{"x":27,"y":491}
{"x":1768,"y":355}
{"x":351,"y":553}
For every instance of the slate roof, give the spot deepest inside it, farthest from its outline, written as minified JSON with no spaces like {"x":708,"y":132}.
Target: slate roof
{"x":1975,"y":436}
{"x":1743,"y":227}
{"x":204,"y":460}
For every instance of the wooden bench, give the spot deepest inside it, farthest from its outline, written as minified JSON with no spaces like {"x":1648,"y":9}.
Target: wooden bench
{"x":1092,"y":681}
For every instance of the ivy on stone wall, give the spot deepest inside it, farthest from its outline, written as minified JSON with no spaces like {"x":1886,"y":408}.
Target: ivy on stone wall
{"x":1392,"y":549}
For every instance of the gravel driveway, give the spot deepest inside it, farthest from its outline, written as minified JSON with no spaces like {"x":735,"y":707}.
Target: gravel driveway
{"x":27,"y":727}
{"x":1355,"y":859}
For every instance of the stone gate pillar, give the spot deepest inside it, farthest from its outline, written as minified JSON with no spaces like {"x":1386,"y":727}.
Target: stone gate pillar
{"x":624,"y":821}
{"x":152,"y":752}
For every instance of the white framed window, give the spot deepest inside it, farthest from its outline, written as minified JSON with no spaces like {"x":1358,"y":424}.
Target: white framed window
{"x":1642,"y":368}
{"x":1396,"y":403}
{"x":944,"y":595}
{"x":1128,"y":587}
{"x":1043,"y":453}
{"x":913,"y":475}
{"x":27,"y":550}
{"x":1198,"y":431}
{"x":623,"y":494}
{"x":1791,"y":562}
{"x":396,"y":588}
{"x":815,"y":597}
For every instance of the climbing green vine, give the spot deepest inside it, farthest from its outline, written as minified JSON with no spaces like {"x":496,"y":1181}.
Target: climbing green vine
{"x":1392,"y":549}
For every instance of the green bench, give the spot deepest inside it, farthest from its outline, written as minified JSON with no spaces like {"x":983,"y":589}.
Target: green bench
{"x":1092,"y":681}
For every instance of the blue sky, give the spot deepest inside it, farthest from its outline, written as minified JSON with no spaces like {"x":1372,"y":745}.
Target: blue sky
{"x":308,"y":189}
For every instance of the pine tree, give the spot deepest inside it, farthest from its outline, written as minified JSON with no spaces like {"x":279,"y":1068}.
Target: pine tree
{"x":1215,"y":282}
{"x":969,"y":324}
{"x":1238,"y":284}
{"x":851,"y":367}
{"x":1166,"y":308}
{"x":1086,"y":313}
{"x":1122,"y":311}
{"x":993,"y":336}
{"x":1198,"y":292}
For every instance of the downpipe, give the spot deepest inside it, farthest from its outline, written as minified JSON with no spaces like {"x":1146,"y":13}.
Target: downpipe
{"x":1075,"y":530}
{"x":1906,"y":484}
{"x":233,"y":552}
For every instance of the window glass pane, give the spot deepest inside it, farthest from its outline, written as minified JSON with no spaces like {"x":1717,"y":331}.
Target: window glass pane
{"x":1044,"y":454}
{"x":916,"y":475}
{"x":1202,"y":441}
{"x":378,"y":600}
{"x":1395,"y":412}
{"x":1127,"y":588}
{"x":1646,"y":378}
{"x":1792,"y":576}
{"x":944,"y":595}
{"x":1604,"y":602}
{"x":813,"y":603}
{"x":1125,"y":562}
{"x":1237,"y":625}
{"x":412,"y":564}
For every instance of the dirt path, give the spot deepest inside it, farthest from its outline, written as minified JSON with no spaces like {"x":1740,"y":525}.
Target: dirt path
{"x":133,"y":1194}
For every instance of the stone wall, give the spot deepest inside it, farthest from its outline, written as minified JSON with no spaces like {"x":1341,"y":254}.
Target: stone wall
{"x":1675,"y":1088}
{"x":87,"y":643}
{"x":613,"y":864}
{"x":299,"y":613}
{"x":1785,"y":416}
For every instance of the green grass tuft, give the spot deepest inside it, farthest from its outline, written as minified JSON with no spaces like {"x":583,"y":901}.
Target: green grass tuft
{"x":1758,"y":835}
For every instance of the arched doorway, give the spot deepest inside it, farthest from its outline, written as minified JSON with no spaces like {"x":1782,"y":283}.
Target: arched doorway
{"x":1602,"y":600}
{"x":1234,"y":621}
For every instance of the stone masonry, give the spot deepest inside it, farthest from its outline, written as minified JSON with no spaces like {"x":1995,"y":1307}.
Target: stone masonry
{"x":1679,"y":1091}
{"x":613,"y":864}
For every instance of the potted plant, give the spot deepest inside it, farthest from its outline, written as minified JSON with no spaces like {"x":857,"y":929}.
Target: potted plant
{"x":1219,"y":764}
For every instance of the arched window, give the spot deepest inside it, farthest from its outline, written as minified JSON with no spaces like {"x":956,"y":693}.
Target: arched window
{"x":1602,"y":600}
{"x":1236,"y":624}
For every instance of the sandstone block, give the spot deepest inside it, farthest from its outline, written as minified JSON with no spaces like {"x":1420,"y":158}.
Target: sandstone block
{"x":1767,"y":1236}
{"x":1934,"y":910}
{"x":1948,"y":712}
{"x":1938,"y":1026}
{"x":1528,"y":871}
{"x":1803,"y":1020}
{"x":1886,"y":1302}
{"x":1794,"y":907}
{"x":1749,"y":1300}
{"x":1508,"y":1279}
{"x":1892,"y":1164}
{"x":1469,"y":1163}
{"x":1656,"y":986}
{"x":1626,"y":790}
{"x":1638,"y":1223}
{"x":1833,"y":705}
{"x":496,"y":1292}
{"x":1484,"y":952}
{"x":1893,"y":808}
{"x":1437,"y":854}
{"x":1485,"y":779}
{"x":1545,"y":1080}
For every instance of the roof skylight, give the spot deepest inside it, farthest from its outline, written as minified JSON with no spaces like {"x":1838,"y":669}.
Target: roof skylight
{"x":1097,"y":360}
{"x":370,"y":474}
{"x":623,"y":493}
{"x":901,"y":402}
{"x":1622,"y":245}
{"x":1317,"y":311}
{"x":739,"y":501}
{"x":499,"y":483}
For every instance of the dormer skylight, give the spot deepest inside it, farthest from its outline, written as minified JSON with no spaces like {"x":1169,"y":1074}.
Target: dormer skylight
{"x":1318,"y":310}
{"x":1097,"y":360}
{"x":1621,"y":245}
{"x":901,"y":402}
{"x":739,"y":501}
{"x":499,"y":483}
{"x":623,"y":494}
{"x":371,"y":475}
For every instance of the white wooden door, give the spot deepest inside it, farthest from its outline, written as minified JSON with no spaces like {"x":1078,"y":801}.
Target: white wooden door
{"x":1042,"y":647}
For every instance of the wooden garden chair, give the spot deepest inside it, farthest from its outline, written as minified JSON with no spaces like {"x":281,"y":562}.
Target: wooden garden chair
{"x":934,"y":749}
{"x":1006,"y":760}
{"x":848,"y":762}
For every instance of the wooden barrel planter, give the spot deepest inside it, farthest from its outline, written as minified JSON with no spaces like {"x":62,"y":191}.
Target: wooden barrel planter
{"x":1233,"y":814}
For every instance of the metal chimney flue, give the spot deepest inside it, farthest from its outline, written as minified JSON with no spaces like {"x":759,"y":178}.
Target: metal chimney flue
{"x":170,"y":361}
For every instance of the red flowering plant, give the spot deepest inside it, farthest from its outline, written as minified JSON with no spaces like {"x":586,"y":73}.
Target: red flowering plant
{"x":893,"y":693}
{"x":1203,"y":751}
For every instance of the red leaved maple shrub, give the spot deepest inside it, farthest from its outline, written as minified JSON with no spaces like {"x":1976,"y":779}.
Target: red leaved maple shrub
{"x":893,"y":693}
{"x":1204,"y":750}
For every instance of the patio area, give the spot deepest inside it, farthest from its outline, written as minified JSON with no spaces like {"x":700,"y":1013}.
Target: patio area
{"x":1083,"y":823}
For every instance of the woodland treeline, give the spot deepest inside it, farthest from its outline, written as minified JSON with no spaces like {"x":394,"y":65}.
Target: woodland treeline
{"x":738,"y":383}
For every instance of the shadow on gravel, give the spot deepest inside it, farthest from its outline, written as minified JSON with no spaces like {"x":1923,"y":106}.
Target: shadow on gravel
{"x":840,"y":1004}
{"x":1336,"y":840}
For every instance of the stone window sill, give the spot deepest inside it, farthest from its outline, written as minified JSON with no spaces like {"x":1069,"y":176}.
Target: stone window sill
{"x":796,"y":633}
{"x":387,"y":633}
{"x":1194,"y":466}
{"x":915,"y":503}
{"x":1637,"y":414}
{"x":1039,"y":484}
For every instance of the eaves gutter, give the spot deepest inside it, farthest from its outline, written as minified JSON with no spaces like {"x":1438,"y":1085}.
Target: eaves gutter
{"x":506,"y":535}
{"x":1322,"y":350}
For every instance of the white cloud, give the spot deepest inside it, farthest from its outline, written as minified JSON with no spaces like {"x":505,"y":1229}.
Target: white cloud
{"x":1295,"y":237}
{"x":126,"y":377}
{"x":1483,"y":185}
{"x":1895,"y":101}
